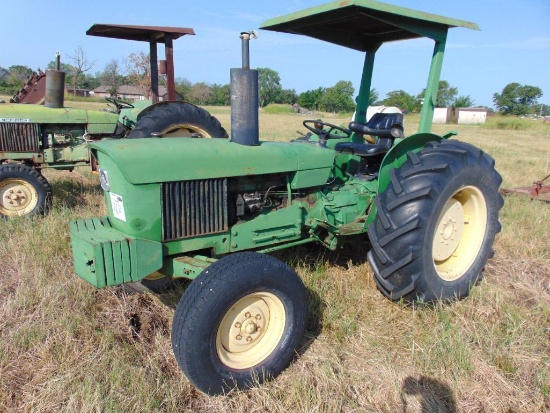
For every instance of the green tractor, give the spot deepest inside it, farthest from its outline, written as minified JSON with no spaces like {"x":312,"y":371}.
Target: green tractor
{"x":215,"y":208}
{"x":34,"y":137}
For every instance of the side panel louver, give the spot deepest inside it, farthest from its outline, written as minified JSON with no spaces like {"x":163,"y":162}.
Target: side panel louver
{"x":19,"y":137}
{"x":192,"y":208}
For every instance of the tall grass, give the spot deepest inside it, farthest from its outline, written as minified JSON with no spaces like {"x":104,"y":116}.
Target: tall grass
{"x":65,"y":346}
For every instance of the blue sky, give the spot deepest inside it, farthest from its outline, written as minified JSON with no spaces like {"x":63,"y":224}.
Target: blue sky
{"x":512,"y":46}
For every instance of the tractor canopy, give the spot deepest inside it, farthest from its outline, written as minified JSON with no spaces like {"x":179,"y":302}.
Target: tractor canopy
{"x":365,"y":25}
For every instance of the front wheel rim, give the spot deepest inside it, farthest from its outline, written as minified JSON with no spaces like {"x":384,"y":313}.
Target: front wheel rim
{"x":459,"y":233}
{"x":17,"y":197}
{"x":250,"y":330}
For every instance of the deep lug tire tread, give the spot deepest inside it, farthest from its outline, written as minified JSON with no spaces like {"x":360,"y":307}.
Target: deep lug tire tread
{"x":401,"y":232}
{"x":163,"y":116}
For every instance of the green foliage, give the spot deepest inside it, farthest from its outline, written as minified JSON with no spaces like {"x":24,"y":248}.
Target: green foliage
{"x":311,"y":98}
{"x":402,"y":100}
{"x":338,"y":98}
{"x":463,"y":102}
{"x":446,"y":95}
{"x":18,"y":75}
{"x":269,"y":83}
{"x":517,"y":99}
{"x":220,"y":96}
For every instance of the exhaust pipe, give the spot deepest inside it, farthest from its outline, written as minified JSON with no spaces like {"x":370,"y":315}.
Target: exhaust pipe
{"x":55,"y":85}
{"x":244,"y":98}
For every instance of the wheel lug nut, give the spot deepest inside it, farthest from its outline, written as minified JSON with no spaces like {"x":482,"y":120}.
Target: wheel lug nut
{"x":247,"y":315}
{"x":239,"y":337}
{"x":249,"y":339}
{"x":258,"y":317}
{"x":237,"y":325}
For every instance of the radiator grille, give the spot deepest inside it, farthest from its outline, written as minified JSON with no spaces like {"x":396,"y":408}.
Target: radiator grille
{"x":192,"y":208}
{"x":19,"y":137}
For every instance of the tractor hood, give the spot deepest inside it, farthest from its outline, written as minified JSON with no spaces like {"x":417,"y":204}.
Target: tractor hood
{"x":152,"y":160}
{"x":97,"y":121}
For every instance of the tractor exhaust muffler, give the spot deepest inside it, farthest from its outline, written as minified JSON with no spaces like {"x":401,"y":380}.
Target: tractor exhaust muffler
{"x":55,"y":86}
{"x":244,"y":98}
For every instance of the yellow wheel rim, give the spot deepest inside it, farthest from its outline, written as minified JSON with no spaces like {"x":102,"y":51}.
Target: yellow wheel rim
{"x":184,"y":130}
{"x":459,"y":233}
{"x":17,"y":197}
{"x":155,"y":276}
{"x":250,"y":330}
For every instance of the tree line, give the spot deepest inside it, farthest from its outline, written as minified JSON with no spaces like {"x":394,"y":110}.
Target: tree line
{"x":515,"y":99}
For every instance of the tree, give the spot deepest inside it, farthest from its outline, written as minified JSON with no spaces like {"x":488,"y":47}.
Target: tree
{"x":139,"y":72}
{"x":402,"y":100}
{"x":339,"y":98}
{"x":446,"y":94}
{"x":269,"y":83}
{"x":81,"y":64}
{"x":311,"y":98}
{"x":287,"y":96}
{"x":18,"y":75}
{"x":463,"y":102}
{"x":220,"y":96}
{"x":111,"y":76}
{"x":373,"y":96}
{"x":200,"y":93}
{"x":517,"y":99}
{"x":183,"y":87}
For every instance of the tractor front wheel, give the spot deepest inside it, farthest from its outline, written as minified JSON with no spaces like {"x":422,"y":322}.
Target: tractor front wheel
{"x":23,"y":191}
{"x":436,"y":223}
{"x":239,"y":323}
{"x":178,"y":119}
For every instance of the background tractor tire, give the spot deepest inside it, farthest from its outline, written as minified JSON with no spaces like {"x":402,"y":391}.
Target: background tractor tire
{"x":178,"y":119}
{"x":23,"y":191}
{"x":239,"y":323}
{"x":436,"y":223}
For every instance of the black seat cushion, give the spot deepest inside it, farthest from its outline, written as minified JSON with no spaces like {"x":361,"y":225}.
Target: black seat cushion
{"x":365,"y":149}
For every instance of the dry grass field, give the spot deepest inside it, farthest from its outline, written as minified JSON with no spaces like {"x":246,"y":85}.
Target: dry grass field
{"x":67,"y":347}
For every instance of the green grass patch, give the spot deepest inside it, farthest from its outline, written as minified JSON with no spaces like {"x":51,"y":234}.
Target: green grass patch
{"x":278,"y":109}
{"x":510,"y":123}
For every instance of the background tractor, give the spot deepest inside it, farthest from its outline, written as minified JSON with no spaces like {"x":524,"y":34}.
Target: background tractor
{"x":215,"y":208}
{"x":34,"y":137}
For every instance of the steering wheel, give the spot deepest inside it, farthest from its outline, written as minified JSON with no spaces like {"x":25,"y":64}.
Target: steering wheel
{"x":318,"y":127}
{"x":119,"y":104}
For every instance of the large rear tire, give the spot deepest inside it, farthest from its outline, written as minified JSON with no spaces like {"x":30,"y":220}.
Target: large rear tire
{"x":240,"y":322}
{"x":23,"y":191}
{"x":178,"y":119}
{"x":436,"y":223}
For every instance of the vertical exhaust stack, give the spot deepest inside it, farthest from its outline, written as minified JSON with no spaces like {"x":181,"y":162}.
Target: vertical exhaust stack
{"x":55,"y":85}
{"x":244,"y":98}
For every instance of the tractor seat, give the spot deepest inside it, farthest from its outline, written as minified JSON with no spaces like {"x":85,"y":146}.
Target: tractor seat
{"x":382,"y":125}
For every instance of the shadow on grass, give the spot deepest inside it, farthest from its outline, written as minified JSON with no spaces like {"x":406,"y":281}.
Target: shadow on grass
{"x":431,"y":394}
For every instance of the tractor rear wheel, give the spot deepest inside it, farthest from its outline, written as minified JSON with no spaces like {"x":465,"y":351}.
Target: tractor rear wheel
{"x":178,"y":119}
{"x":23,"y":191}
{"x":436,"y":223}
{"x":239,"y":323}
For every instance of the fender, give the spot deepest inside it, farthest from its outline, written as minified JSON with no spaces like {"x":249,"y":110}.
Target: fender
{"x":397,"y":156}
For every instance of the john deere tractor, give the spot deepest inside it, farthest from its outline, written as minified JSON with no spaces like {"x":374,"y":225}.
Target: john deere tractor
{"x":34,"y":137}
{"x":215,"y":208}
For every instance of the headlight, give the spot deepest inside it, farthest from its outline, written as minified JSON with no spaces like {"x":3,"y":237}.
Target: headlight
{"x":104,"y":179}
